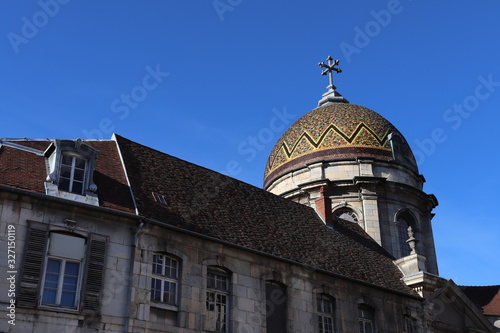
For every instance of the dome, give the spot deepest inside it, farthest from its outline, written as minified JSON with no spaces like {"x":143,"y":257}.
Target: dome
{"x":337,"y":131}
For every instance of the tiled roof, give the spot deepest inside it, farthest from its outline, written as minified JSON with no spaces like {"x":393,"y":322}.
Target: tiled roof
{"x":209,"y":203}
{"x":28,"y":171}
{"x":486,"y":298}
{"x":330,"y":132}
{"x":206,"y":202}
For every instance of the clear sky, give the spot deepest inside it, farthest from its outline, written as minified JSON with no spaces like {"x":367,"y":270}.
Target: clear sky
{"x":205,"y":80}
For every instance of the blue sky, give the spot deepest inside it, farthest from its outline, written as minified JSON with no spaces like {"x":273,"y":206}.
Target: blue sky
{"x":202,"y":80}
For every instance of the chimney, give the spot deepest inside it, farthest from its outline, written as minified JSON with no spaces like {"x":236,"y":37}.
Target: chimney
{"x":324,"y":207}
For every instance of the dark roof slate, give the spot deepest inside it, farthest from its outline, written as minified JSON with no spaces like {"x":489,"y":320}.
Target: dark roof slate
{"x":209,"y":203}
{"x":486,"y":298}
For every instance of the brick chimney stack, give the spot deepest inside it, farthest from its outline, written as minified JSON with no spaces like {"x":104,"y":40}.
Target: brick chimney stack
{"x":324,"y":207}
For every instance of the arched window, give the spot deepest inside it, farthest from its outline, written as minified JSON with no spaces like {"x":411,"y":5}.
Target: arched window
{"x":346,"y":214}
{"x":165,"y":280}
{"x":406,"y":230}
{"x":326,"y":313}
{"x":217,"y":302}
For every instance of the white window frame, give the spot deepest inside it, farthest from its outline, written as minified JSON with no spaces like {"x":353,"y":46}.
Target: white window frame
{"x":60,"y":282}
{"x":326,"y":319}
{"x":71,"y":178}
{"x":61,"y":275}
{"x":164,"y":278}
{"x":216,"y":292}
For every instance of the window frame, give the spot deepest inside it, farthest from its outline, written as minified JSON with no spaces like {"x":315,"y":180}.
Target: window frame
{"x":219,"y":274}
{"x":71,"y":179}
{"x":366,"y":316}
{"x":33,"y":269}
{"x":164,"y":278}
{"x":60,"y":283}
{"x":323,"y":315}
{"x":62,"y":273}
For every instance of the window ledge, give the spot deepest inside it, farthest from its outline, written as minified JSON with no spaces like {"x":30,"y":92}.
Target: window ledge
{"x":53,"y":190}
{"x":163,"y":306}
{"x":61,"y":311}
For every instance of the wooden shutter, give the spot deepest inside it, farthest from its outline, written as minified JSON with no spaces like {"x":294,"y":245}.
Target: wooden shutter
{"x":94,"y":273}
{"x":32,"y":264}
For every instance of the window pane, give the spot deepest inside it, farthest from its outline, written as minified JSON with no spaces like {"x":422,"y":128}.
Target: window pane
{"x":169,"y":292}
{"x":65,"y":171}
{"x":157,"y":264}
{"x":64,"y":184}
{"x":77,"y":188}
{"x":67,"y":160}
{"x":79,"y":163}
{"x":51,"y":281}
{"x":79,"y":174}
{"x":156,"y":289}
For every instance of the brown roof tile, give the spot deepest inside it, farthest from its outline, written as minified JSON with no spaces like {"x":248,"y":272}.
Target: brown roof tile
{"x":28,"y":171}
{"x":218,"y":206}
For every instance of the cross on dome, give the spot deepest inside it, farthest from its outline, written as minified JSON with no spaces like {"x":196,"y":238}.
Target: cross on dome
{"x":329,"y":69}
{"x":331,"y":96}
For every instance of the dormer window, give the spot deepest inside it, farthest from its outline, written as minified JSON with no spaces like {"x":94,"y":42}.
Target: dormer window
{"x":71,"y":168}
{"x":72,"y":174}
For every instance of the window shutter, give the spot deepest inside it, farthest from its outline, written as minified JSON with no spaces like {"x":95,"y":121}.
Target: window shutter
{"x":34,"y":255}
{"x":94,"y":273}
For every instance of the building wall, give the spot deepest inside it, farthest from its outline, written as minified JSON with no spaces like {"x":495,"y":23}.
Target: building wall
{"x":250,"y":271}
{"x":16,"y":210}
{"x":249,"y":274}
{"x":377,"y":191}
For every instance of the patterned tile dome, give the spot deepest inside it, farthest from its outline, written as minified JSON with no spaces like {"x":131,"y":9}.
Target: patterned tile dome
{"x":336,"y":131}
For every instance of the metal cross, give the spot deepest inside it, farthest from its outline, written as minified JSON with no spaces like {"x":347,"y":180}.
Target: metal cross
{"x":329,"y":68}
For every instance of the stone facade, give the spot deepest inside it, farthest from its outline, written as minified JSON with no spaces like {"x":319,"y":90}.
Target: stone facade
{"x":249,"y":272}
{"x":173,"y":247}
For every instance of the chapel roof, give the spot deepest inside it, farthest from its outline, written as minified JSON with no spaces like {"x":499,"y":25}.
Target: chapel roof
{"x":335,"y":131}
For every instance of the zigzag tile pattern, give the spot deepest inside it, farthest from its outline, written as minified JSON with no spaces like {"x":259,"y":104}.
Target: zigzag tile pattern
{"x":330,"y":127}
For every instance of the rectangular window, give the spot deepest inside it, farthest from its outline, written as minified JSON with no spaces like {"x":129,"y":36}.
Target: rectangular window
{"x":72,"y":174}
{"x":165,"y":279}
{"x":217,"y":300}
{"x":61,"y":270}
{"x":325,"y":309}
{"x":61,"y":282}
{"x":365,"y":319}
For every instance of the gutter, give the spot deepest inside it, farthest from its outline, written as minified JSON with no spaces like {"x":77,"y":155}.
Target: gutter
{"x":135,"y":238}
